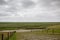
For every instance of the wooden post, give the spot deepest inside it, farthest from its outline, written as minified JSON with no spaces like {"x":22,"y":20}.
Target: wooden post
{"x":8,"y":35}
{"x":14,"y":31}
{"x":2,"y":38}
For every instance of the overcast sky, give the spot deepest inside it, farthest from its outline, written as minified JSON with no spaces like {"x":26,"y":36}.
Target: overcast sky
{"x":29,"y":10}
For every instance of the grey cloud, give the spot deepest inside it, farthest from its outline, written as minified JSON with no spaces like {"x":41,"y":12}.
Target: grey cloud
{"x":27,"y":3}
{"x":11,"y":9}
{"x":2,"y":2}
{"x":58,"y":14}
{"x":46,"y":10}
{"x":15,"y":5}
{"x":52,"y":7}
{"x":3,"y":11}
{"x":1,"y":15}
{"x":50,"y":3}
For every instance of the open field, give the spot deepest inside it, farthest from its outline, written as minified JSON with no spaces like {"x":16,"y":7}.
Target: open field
{"x":32,"y":30}
{"x":36,"y":36}
{"x":26,"y":25}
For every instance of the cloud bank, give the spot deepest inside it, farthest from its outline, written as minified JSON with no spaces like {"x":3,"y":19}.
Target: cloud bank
{"x":29,"y":10}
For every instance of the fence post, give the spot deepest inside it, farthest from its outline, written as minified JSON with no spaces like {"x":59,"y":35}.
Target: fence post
{"x":14,"y":31}
{"x":2,"y":38}
{"x":8,"y":35}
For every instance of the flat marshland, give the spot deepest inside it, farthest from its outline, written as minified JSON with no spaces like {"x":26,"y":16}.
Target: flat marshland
{"x":33,"y":30}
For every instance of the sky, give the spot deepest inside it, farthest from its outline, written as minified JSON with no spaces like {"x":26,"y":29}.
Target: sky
{"x":29,"y":10}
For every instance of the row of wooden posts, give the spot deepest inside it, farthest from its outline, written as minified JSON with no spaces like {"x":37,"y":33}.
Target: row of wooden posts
{"x":9,"y":34}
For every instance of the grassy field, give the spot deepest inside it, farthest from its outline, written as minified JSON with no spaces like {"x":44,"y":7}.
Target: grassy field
{"x":52,"y":33}
{"x":26,"y":25}
{"x":48,"y":30}
{"x":36,"y":36}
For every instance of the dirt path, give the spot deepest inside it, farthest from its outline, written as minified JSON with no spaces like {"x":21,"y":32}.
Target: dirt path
{"x":21,"y":30}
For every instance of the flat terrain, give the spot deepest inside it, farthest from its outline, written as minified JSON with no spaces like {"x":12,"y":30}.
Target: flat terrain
{"x":32,"y":30}
{"x":26,"y":25}
{"x":36,"y":36}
